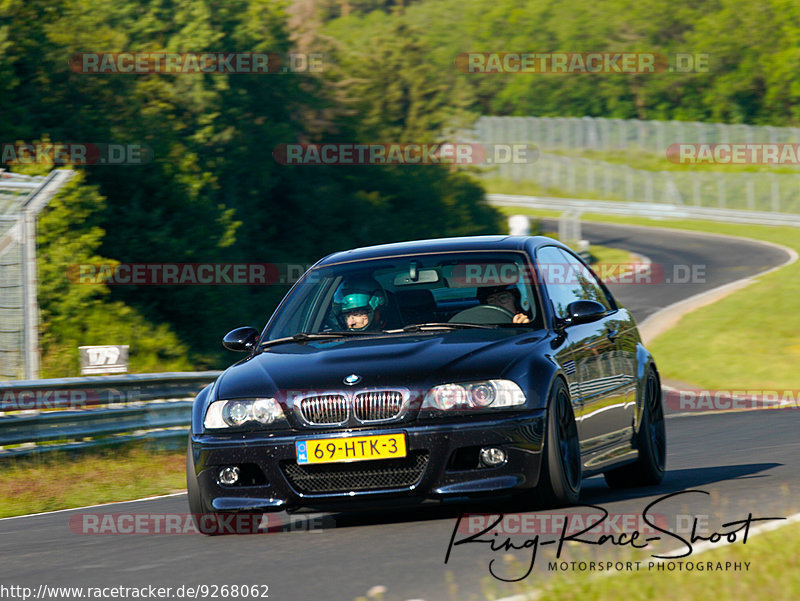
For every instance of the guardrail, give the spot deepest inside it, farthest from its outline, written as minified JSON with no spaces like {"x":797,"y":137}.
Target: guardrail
{"x":641,"y":209}
{"x":65,"y":414}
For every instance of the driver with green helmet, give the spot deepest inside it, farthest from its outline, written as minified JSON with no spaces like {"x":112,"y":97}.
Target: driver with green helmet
{"x":359,"y":307}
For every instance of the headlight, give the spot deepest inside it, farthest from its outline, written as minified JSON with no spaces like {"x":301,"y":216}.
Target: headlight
{"x":490,"y":394}
{"x":228,"y":414}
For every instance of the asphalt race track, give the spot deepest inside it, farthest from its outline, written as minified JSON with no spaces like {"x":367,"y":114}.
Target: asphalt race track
{"x":747,"y":461}
{"x":684,"y":263}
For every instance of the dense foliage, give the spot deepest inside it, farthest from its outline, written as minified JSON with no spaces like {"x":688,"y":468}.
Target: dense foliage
{"x":213,"y":192}
{"x":752,"y":48}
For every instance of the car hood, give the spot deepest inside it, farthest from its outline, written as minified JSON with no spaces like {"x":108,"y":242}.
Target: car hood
{"x":408,"y":360}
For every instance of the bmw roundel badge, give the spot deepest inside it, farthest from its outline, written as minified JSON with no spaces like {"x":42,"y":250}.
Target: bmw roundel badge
{"x":352,"y":379}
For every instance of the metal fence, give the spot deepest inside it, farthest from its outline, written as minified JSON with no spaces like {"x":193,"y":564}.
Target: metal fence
{"x":21,"y":198}
{"x":623,"y":134}
{"x":14,"y":189}
{"x":80,"y":413}
{"x":560,"y":175}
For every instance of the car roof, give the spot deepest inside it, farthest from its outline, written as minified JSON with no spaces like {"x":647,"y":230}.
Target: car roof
{"x":465,"y":243}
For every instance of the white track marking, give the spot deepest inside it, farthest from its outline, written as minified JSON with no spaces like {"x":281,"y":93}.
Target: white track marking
{"x":30,"y":515}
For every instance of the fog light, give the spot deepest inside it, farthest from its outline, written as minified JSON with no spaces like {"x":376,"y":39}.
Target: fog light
{"x":229,"y":475}
{"x":492,"y":456}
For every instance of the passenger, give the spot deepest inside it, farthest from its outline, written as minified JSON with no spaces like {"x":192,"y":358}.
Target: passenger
{"x":506,"y":297}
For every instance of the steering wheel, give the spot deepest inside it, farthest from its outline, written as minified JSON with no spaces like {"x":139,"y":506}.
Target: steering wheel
{"x":483,"y":315}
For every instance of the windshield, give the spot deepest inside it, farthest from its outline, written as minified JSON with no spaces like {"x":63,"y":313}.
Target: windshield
{"x":485,"y":288}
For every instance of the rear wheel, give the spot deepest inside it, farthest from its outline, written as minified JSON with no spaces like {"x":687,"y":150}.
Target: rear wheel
{"x":651,"y":440}
{"x":560,"y":479}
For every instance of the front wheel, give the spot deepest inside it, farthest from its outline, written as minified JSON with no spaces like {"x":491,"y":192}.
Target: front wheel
{"x":651,"y":440}
{"x":560,"y":480}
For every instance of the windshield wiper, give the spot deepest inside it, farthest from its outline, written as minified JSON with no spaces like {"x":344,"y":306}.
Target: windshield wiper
{"x":421,"y":327}
{"x":306,"y":337}
{"x":415,"y":327}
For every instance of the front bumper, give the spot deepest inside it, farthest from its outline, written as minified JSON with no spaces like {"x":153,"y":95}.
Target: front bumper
{"x":446,"y":470}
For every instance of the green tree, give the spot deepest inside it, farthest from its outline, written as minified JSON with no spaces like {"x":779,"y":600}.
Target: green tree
{"x":212,"y":193}
{"x":75,"y":313}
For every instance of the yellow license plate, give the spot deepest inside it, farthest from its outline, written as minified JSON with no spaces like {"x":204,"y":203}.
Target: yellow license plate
{"x":355,"y":448}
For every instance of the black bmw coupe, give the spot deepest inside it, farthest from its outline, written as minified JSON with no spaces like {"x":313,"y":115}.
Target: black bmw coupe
{"x":459,"y":367}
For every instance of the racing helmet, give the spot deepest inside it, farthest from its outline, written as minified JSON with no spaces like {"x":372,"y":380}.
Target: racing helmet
{"x":359,"y":295}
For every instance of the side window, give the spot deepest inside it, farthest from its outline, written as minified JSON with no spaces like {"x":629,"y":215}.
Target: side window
{"x":553,"y":274}
{"x":294,"y":314}
{"x":592,"y":288}
{"x":567,"y":280}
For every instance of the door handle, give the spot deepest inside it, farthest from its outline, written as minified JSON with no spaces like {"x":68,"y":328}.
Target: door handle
{"x":612,"y":334}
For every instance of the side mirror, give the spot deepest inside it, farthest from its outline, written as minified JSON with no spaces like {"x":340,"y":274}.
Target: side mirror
{"x":583,"y":311}
{"x":240,"y":339}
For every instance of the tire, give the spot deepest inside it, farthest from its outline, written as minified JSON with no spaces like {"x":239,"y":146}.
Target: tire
{"x":560,"y":478}
{"x":651,"y":440}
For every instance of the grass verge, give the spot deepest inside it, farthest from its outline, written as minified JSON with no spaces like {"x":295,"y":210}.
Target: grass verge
{"x":58,"y":481}
{"x":529,"y":188}
{"x":748,"y":339}
{"x":609,"y":255}
{"x":602,"y":254}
